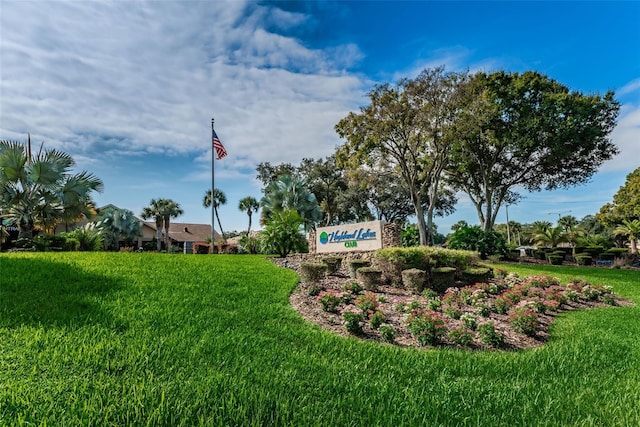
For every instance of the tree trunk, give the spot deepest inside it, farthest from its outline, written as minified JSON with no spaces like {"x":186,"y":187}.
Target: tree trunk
{"x":219,"y":225}
{"x":249,"y":229}
{"x":634,"y":245}
{"x":167,"y":240}
{"x":422,"y":226}
{"x":159,"y":235}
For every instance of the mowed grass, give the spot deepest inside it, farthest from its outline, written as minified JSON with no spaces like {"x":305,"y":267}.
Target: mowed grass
{"x":153,"y":339}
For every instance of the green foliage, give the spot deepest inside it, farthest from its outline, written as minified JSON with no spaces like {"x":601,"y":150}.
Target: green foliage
{"x":353,"y":322}
{"x":410,"y":236}
{"x":290,"y":194}
{"x":524,"y":320}
{"x":377,"y":319}
{"x":118,"y":224}
{"x":393,"y":261}
{"x":388,"y":333}
{"x":329,"y":300}
{"x":526,"y":130}
{"x":426,"y":326}
{"x":460,"y":336}
{"x":282,"y":234}
{"x":89,"y":237}
{"x":38,"y":188}
{"x":397,"y":129}
{"x":474,"y":238}
{"x":489,"y":336}
{"x":583,"y":259}
{"x":469,"y":276}
{"x":625,"y":204}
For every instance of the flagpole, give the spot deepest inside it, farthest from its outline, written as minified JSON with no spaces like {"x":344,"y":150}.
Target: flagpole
{"x":213,"y":209}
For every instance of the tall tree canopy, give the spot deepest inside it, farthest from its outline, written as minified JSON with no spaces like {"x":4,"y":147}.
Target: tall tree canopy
{"x":39,"y":189}
{"x":526,"y":131}
{"x":626,"y":202}
{"x":405,"y":127}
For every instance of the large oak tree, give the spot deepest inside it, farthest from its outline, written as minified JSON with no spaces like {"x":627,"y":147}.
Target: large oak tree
{"x":526,"y":132}
{"x":405,"y":127}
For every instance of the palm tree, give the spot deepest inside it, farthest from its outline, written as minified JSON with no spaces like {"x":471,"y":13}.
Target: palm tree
{"x":37,"y":189}
{"x":630,"y":229}
{"x":155,"y":211}
{"x":552,"y":236}
{"x":170,"y":209}
{"x":249,"y":205}
{"x":290,"y":193}
{"x":219,"y":198}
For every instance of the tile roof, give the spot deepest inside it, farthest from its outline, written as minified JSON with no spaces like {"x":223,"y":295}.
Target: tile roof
{"x":184,"y":232}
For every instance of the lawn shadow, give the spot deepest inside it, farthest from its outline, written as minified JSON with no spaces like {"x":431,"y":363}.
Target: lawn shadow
{"x":45,"y":292}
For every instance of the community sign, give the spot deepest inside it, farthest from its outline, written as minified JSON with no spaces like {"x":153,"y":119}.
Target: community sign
{"x":364,"y":236}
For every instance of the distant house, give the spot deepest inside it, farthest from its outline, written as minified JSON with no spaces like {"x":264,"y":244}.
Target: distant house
{"x":181,"y":234}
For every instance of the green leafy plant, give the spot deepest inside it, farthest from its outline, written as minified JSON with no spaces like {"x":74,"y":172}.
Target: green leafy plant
{"x":426,"y":326}
{"x":460,"y":336}
{"x":489,"y":336}
{"x":376,"y":319}
{"x":353,"y":321}
{"x":524,"y":320}
{"x":388,"y":332}
{"x":330,"y":300}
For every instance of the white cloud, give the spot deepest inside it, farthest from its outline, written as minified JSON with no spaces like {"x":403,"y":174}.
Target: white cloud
{"x":626,"y":136}
{"x":128,"y":78}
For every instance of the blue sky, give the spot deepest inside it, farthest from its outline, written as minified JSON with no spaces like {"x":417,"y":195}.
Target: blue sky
{"x":129,"y":87}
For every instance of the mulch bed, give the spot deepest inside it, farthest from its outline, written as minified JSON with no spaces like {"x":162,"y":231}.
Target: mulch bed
{"x":391,"y":297}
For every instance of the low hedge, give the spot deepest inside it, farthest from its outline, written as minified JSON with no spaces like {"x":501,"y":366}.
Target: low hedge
{"x":312,"y":272}
{"x":618,"y":252}
{"x":471,"y":276}
{"x":584,"y":259}
{"x":414,"y":280}
{"x":355,"y":264}
{"x":393,"y":261}
{"x":370,"y":277}
{"x":555,"y":259}
{"x":333,"y":263}
{"x":442,"y":278}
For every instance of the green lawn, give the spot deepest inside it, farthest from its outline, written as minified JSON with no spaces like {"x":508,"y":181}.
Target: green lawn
{"x":153,"y":339}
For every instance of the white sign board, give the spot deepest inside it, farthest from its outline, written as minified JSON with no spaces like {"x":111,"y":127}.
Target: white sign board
{"x":364,"y":236}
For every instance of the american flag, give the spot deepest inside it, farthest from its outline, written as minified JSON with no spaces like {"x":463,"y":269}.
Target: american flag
{"x":217,"y":145}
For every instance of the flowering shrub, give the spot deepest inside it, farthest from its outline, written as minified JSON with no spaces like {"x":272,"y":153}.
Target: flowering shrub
{"x":314,"y":290}
{"x":489,"y":336}
{"x":469,"y":321}
{"x":434,"y":303}
{"x":453,"y":311}
{"x":524,"y":320}
{"x":353,"y":321}
{"x":501,"y":305}
{"x":352,"y":286}
{"x":426,"y":326}
{"x":368,"y":303}
{"x":377,"y":319}
{"x":460,"y":336}
{"x":330,"y":300}
{"x":388,"y":332}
